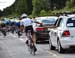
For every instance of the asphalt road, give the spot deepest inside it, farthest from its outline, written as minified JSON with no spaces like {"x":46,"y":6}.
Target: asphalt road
{"x":13,"y":47}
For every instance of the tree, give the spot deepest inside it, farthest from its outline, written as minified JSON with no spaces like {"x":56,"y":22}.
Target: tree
{"x":35,"y":7}
{"x":39,"y":5}
{"x":43,"y":13}
{"x":29,"y":6}
{"x":19,"y":7}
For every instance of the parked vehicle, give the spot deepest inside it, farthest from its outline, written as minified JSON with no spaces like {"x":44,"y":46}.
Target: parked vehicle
{"x":62,"y":35}
{"x":41,"y":28}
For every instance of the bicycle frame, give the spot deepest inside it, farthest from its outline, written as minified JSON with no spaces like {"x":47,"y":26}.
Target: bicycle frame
{"x":30,"y":43}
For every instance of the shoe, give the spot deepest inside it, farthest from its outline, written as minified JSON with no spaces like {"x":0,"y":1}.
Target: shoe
{"x":27,"y":42}
{"x":35,"y":49}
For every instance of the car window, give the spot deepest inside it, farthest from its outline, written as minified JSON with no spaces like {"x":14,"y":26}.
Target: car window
{"x":49,"y":21}
{"x":71,"y":22}
{"x":58,"y":22}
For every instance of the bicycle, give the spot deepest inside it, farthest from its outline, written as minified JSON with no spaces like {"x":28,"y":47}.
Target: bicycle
{"x":3,"y":30}
{"x":19,"y":33}
{"x":31,"y":46}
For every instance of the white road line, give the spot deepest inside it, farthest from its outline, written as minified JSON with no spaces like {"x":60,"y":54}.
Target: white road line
{"x":53,"y":54}
{"x":22,"y":40}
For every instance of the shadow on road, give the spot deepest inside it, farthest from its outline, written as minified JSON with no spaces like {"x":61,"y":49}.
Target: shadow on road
{"x":43,"y":42}
{"x":71,"y":51}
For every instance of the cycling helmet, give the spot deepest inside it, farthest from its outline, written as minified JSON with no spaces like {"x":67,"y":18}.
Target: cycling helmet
{"x":23,"y":15}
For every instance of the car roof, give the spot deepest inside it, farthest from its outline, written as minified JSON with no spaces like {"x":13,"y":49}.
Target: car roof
{"x":68,"y":16}
{"x":46,"y":17}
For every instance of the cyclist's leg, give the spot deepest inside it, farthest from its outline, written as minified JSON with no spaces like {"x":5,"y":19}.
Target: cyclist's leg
{"x":32,"y":33}
{"x":34,"y":42}
{"x":33,"y":39}
{"x":19,"y":32}
{"x":26,"y":31}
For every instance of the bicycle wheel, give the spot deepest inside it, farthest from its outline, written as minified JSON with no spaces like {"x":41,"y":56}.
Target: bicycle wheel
{"x":29,"y":46}
{"x":4,"y":32}
{"x":19,"y":33}
{"x":34,"y":49}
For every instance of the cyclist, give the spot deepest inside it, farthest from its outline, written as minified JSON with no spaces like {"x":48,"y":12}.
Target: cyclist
{"x":3,"y":28}
{"x":27,"y":23}
{"x":17,"y":27}
{"x":12,"y":25}
{"x":7,"y":23}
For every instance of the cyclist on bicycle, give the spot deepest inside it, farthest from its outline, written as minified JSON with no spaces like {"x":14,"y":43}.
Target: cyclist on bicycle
{"x":17,"y":27}
{"x":12,"y":25}
{"x":27,"y":23}
{"x":7,"y":23}
{"x":3,"y":28}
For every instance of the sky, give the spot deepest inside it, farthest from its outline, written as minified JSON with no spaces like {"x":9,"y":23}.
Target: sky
{"x":5,"y":3}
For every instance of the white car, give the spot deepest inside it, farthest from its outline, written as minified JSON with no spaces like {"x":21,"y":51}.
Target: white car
{"x":62,"y":35}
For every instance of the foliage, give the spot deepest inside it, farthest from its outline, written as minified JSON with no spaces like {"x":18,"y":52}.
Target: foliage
{"x":43,"y":13}
{"x":39,"y":7}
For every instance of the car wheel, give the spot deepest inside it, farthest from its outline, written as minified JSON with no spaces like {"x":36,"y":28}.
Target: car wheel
{"x":50,"y":45}
{"x":60,"y":49}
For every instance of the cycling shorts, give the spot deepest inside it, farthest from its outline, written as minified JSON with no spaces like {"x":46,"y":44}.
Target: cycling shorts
{"x":29,"y":28}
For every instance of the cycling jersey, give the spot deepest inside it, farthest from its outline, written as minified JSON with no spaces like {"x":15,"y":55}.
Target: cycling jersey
{"x":12,"y":22}
{"x":7,"y":21}
{"x":26,"y":22}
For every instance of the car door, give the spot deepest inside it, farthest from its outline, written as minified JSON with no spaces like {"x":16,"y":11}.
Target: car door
{"x":55,"y":31}
{"x":54,"y":35}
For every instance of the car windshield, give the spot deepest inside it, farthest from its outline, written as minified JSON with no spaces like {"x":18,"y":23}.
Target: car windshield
{"x":50,"y":21}
{"x":71,"y":22}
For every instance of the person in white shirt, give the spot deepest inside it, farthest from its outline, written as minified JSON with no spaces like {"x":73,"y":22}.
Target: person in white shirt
{"x":27,"y":23}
